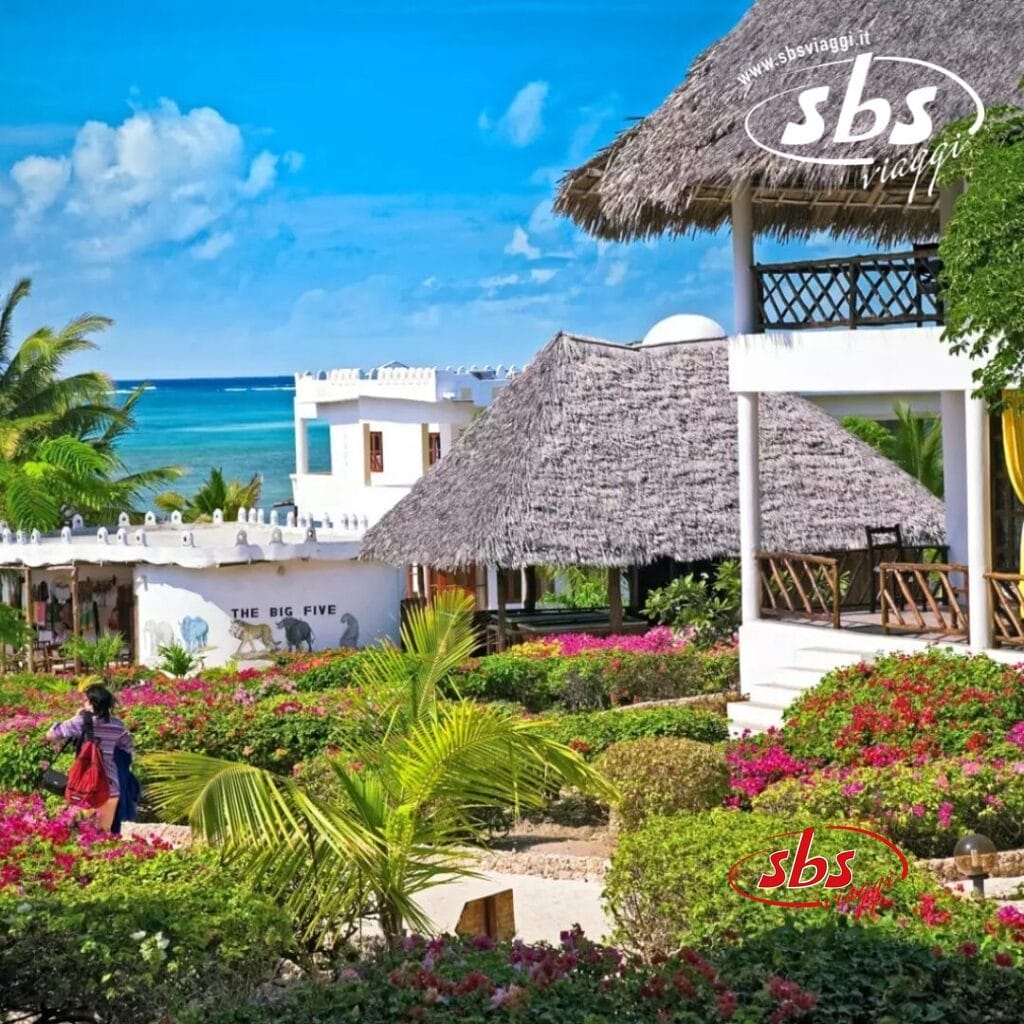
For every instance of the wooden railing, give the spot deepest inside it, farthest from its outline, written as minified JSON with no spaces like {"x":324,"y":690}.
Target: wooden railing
{"x":922,"y":597}
{"x":856,"y":291}
{"x":801,"y":585}
{"x":1007,"y":608}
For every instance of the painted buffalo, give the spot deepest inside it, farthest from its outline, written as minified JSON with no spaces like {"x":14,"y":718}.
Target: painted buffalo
{"x":296,"y":633}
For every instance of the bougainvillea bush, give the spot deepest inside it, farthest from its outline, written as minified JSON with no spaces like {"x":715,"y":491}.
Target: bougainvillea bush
{"x":924,"y":808}
{"x":98,"y":928}
{"x":576,"y":982}
{"x":906,"y":708}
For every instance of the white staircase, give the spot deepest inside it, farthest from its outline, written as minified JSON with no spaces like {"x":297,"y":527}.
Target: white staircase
{"x":770,"y":689}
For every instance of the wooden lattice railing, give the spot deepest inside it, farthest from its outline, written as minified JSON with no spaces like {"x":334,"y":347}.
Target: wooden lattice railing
{"x":923,"y":597}
{"x":1007,"y":608}
{"x":799,"y":585}
{"x":895,"y":288}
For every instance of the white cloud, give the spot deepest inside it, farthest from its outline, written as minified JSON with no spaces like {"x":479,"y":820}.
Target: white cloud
{"x":616,"y":273}
{"x":493,"y":283}
{"x":293,"y":160}
{"x":159,"y":176}
{"x":523,"y":121}
{"x":41,"y":180}
{"x":213,"y":246}
{"x":717,"y":259}
{"x":541,"y":275}
{"x":262,"y":175}
{"x":520,"y":245}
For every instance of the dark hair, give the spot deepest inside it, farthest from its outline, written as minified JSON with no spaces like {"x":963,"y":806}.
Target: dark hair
{"x":101,"y":700}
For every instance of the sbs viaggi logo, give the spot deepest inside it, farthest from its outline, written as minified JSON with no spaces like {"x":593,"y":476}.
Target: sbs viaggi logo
{"x":843,"y":112}
{"x":851,"y":871}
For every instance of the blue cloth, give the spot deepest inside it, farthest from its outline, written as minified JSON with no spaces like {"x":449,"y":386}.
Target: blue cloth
{"x":131,"y":790}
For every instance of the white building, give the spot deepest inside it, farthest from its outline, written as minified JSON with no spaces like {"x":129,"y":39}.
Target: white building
{"x":387,"y":426}
{"x":225,"y":591}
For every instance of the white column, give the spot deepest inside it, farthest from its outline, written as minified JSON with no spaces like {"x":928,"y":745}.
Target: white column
{"x":976,"y":439}
{"x":743,"y":302}
{"x":954,"y":468}
{"x":301,"y":446}
{"x":750,"y":503}
{"x":947,"y":200}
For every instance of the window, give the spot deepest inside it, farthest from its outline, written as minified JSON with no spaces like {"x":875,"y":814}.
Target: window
{"x":514,"y":586}
{"x":433,"y":448}
{"x":376,"y":451}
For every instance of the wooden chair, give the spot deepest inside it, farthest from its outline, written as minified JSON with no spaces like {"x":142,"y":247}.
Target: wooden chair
{"x":885,"y":544}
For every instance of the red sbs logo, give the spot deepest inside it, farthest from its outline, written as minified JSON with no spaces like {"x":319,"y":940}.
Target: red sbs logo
{"x":813,"y":880}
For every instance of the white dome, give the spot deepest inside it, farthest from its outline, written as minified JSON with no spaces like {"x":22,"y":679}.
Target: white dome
{"x":683,"y":327}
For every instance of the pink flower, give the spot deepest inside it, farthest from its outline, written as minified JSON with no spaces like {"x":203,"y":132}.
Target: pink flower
{"x":945,"y":815}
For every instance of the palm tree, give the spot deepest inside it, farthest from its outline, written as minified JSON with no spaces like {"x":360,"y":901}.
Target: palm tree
{"x":215,"y":493}
{"x":47,"y":420}
{"x":408,"y":802}
{"x":915,"y":445}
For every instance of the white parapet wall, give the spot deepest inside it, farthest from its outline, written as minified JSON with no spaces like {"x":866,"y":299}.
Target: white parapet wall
{"x":245,"y":613}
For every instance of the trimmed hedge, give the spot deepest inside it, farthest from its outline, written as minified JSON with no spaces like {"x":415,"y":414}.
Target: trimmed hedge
{"x":664,"y":775}
{"x":596,"y":679}
{"x":591,"y":733}
{"x":668,"y":881}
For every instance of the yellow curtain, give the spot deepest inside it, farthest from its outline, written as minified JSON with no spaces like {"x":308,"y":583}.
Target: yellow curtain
{"x":1013,"y":450}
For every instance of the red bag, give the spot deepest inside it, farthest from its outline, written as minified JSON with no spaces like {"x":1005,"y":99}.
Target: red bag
{"x":87,"y":781}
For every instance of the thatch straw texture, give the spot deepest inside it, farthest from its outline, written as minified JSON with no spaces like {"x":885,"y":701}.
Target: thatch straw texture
{"x":674,"y":171}
{"x":606,"y":455}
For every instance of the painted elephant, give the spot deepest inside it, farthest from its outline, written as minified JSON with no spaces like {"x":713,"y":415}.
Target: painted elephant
{"x":156,"y":635}
{"x":296,"y":633}
{"x":194,"y":632}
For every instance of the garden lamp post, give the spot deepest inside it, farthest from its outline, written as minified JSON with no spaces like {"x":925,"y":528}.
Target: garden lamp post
{"x":975,"y":857}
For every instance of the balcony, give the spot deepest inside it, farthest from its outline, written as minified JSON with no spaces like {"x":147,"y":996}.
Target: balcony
{"x":855,"y":291}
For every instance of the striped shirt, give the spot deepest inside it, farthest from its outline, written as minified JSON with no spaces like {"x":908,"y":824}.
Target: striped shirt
{"x":109,"y":733}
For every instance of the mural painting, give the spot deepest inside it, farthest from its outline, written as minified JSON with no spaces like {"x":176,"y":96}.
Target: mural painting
{"x":350,"y":636}
{"x":255,"y":639}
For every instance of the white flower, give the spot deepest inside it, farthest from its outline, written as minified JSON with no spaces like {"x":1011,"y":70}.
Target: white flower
{"x":138,"y":936}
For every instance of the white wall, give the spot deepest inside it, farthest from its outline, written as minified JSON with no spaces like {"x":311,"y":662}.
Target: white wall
{"x":263,"y":594}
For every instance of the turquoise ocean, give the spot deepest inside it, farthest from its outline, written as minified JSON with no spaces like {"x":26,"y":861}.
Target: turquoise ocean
{"x":241,"y":425}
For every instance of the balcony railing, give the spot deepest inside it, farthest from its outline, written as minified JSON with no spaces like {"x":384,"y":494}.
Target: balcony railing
{"x":856,"y":291}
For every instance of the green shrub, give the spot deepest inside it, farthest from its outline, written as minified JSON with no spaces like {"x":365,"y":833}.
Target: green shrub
{"x":906,"y":707}
{"x":334,"y":671}
{"x":923,"y":809}
{"x":22,"y":755}
{"x":596,"y":678}
{"x":510,"y":676}
{"x":663,"y":776}
{"x":591,"y":734}
{"x":136,"y":943}
{"x":668,"y":881}
{"x":708,"y":606}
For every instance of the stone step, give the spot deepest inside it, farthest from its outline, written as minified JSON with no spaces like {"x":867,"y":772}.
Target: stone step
{"x":824,"y":659}
{"x":752,"y":715}
{"x":777,"y":695}
{"x":795,"y":677}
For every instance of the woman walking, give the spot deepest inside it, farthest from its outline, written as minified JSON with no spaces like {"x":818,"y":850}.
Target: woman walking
{"x":109,"y":733}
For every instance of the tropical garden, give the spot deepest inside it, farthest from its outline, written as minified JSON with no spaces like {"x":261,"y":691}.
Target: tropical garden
{"x":328,"y":793}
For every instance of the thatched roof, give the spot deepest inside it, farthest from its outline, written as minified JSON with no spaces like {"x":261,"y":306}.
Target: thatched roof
{"x":674,"y":171}
{"x":601,"y":454}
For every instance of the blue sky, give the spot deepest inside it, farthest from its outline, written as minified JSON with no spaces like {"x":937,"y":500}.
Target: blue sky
{"x":264,"y":187}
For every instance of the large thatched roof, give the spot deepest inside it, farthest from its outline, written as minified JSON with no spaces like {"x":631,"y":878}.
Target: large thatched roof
{"x":674,"y":171}
{"x":600,"y":454}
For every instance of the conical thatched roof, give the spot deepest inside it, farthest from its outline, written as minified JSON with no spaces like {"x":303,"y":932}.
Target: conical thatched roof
{"x":674,"y":171}
{"x":600,"y":454}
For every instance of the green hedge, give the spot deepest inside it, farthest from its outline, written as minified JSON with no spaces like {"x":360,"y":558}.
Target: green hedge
{"x":591,"y":733}
{"x":668,"y":881}
{"x":596,"y":679}
{"x":141,"y":941}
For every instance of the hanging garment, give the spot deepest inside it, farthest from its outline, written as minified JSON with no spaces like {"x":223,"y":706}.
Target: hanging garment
{"x":1013,"y":452}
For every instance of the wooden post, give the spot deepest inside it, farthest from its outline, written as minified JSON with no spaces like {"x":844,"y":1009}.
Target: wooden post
{"x":502,"y":580}
{"x":530,"y":594}
{"x":75,"y":628}
{"x":26,"y":601}
{"x":615,"y":597}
